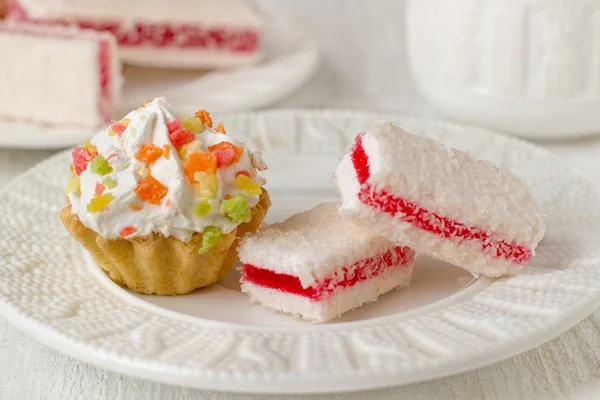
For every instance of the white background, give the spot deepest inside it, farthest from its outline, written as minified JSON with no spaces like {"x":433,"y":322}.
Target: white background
{"x":364,"y":67}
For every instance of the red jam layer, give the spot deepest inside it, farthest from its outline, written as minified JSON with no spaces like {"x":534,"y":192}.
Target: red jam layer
{"x":363,"y":270}
{"x":426,"y":220}
{"x":158,"y":35}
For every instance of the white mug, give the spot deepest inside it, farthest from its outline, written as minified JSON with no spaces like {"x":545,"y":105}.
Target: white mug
{"x":528,"y":67}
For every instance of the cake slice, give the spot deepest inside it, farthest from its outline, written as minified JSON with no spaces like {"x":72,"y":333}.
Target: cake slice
{"x":157,"y":33}
{"x":440,"y":201}
{"x":58,"y":75}
{"x":318,"y":265}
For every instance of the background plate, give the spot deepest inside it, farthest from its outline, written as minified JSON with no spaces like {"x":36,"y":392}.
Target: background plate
{"x":446,"y":323}
{"x":291,"y":59}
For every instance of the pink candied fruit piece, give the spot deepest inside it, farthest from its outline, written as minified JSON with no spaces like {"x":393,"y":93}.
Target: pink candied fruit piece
{"x":99,"y":189}
{"x":225,"y":157}
{"x":180,"y":137}
{"x":118,"y":128}
{"x":174,"y":125}
{"x":81,"y":159}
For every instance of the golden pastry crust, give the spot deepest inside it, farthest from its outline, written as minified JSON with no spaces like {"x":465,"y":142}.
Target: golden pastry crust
{"x":161,"y":265}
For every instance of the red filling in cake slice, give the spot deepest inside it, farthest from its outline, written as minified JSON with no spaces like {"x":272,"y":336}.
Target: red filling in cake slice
{"x":345,"y":277}
{"x":426,"y":220}
{"x":318,"y":265}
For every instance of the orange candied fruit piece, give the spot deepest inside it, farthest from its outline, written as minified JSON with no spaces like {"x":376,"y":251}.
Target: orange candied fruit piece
{"x":221,"y":128}
{"x":150,"y":190}
{"x":204,"y":117}
{"x":148,"y":153}
{"x":200,"y":162}
{"x":135,"y":207}
{"x":127,"y":231}
{"x":166,"y":151}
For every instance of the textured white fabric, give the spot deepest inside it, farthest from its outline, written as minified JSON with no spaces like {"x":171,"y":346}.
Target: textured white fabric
{"x":565,"y":368}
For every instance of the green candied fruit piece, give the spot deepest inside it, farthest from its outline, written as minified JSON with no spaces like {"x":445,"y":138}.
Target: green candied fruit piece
{"x":100,"y":166}
{"x":109,"y":182}
{"x":236,"y":209}
{"x":202,"y":208}
{"x":210,"y":236}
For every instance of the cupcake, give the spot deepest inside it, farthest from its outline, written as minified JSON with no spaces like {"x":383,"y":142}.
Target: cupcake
{"x":159,"y":199}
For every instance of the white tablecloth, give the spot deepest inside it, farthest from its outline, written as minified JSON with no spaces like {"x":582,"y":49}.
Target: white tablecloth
{"x":364,"y":66}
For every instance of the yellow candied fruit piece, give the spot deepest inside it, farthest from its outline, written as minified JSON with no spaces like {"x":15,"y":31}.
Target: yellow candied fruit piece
{"x":126,"y":121}
{"x":247,"y":185}
{"x":143,"y":171}
{"x":192,"y":124}
{"x":207,"y":184}
{"x":89,"y":147}
{"x":73,"y":186}
{"x":98,"y":203}
{"x":188,"y":149}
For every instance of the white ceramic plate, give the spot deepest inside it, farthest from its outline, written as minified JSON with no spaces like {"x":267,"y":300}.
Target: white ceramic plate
{"x":446,"y":322}
{"x":291,"y":58}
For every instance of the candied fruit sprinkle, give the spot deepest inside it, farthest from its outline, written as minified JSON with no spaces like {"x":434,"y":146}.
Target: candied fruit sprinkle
{"x":200,"y":162}
{"x":136,"y":207}
{"x":192,"y":124}
{"x":173,"y":125}
{"x":188,"y":149}
{"x":90,"y":147}
{"x":226,"y":153}
{"x":143,"y":171}
{"x":117,"y":129}
{"x":166,"y":151}
{"x":148,"y":153}
{"x":247,"y":185}
{"x":98,"y":203}
{"x":99,"y":189}
{"x":180,"y":137}
{"x":143,"y":117}
{"x":210,"y":237}
{"x":202,"y":208}
{"x":113,"y":155}
{"x":207,"y":184}
{"x":109,"y":182}
{"x":81,"y":160}
{"x":126,"y":121}
{"x":204,"y":116}
{"x":243,"y":172}
{"x":221,"y":128}
{"x":100,"y":166}
{"x":127,"y":231}
{"x":146,"y":102}
{"x":74,"y":185}
{"x":151,"y":190}
{"x":236,"y":209}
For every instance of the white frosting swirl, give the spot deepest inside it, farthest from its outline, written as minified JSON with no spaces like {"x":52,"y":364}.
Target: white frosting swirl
{"x":174,"y":215}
